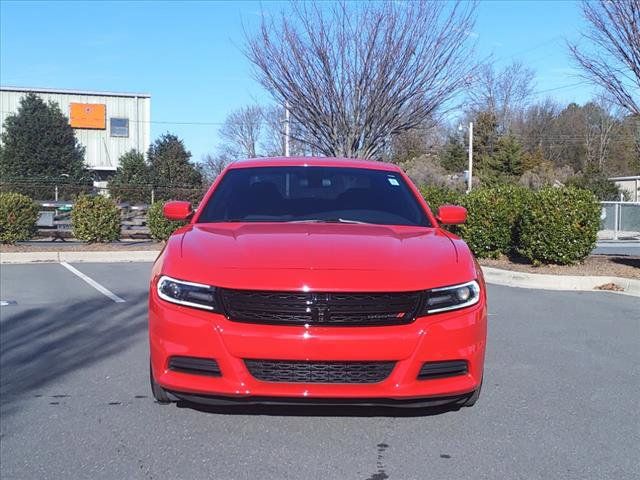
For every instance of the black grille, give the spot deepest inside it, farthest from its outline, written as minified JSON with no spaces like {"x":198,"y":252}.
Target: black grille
{"x":335,"y":309}
{"x":319,"y":372}
{"x":451,"y":368}
{"x":195,"y":366}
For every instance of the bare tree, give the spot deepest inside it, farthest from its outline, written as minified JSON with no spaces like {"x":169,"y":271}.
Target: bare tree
{"x":356,"y":74}
{"x":537,"y":130}
{"x":613,"y":59}
{"x":416,"y":142}
{"x":601,"y":126}
{"x":273,"y":140}
{"x":503,"y":93}
{"x":213,"y":165}
{"x":241,"y":132}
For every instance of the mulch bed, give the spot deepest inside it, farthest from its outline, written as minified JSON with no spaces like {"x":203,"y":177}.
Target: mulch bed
{"x":602,"y":265}
{"x":75,"y":246}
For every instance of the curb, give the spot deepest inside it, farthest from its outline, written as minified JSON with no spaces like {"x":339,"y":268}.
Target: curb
{"x":510,"y":278}
{"x":76,"y":257}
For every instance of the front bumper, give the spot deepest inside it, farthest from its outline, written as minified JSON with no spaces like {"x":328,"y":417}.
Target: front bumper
{"x":182,"y":331}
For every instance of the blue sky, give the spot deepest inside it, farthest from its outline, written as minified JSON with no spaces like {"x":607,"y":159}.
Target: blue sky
{"x":188,"y":55}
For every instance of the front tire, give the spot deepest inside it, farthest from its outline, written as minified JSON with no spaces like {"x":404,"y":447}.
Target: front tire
{"x":159,"y":393}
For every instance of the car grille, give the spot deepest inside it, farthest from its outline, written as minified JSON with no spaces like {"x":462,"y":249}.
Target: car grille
{"x":319,"y":372}
{"x":335,"y":309}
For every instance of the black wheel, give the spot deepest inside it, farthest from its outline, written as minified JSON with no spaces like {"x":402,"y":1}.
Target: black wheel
{"x":471,"y":401}
{"x":159,"y":393}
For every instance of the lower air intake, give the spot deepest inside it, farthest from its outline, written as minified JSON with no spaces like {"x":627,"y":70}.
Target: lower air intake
{"x":319,"y":372}
{"x":431,"y":370}
{"x":195,"y":366}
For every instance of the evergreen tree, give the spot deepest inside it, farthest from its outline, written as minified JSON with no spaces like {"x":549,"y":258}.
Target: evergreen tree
{"x":454,"y":157}
{"x":485,"y":133}
{"x":132,"y":181}
{"x":38,"y":143}
{"x":504,"y":165}
{"x":171,"y":163}
{"x":508,"y":156}
{"x":172,"y":173}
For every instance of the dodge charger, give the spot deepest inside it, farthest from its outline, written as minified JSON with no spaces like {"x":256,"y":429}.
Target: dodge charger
{"x":316,"y":280}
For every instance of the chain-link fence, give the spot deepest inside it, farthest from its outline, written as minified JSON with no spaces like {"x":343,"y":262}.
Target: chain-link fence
{"x":43,"y":191}
{"x":58,"y":191}
{"x":620,"y":221}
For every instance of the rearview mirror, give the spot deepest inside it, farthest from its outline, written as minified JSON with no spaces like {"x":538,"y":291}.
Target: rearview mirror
{"x":177,"y":210}
{"x":451,"y":215}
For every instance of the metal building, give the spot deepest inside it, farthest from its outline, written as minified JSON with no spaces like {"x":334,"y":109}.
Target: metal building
{"x":630,"y":185}
{"x":108,"y":124}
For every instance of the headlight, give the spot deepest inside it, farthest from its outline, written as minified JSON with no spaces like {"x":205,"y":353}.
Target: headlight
{"x":187,"y":293}
{"x":451,"y":298}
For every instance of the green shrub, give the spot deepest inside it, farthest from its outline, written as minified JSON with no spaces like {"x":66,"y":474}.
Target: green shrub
{"x":493,"y":213}
{"x":95,"y":219}
{"x":436,"y":196}
{"x":18,"y":217}
{"x":160,"y":227}
{"x":559,"y":225}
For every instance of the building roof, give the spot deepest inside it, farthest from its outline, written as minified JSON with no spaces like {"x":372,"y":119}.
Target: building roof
{"x":313,"y":162}
{"x":6,"y":88}
{"x":632,"y":177}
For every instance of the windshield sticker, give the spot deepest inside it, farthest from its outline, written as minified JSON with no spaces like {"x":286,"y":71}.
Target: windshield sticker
{"x":393,"y":181}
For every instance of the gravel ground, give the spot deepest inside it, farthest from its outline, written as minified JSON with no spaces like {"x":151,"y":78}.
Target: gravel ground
{"x":616,"y":266}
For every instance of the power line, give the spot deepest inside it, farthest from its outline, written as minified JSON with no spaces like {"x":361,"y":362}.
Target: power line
{"x":530,"y":49}
{"x":559,"y":88}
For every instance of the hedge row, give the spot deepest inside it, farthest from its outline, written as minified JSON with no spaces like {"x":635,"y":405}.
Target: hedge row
{"x":559,"y":226}
{"x":552,"y":225}
{"x":93,"y":219}
{"x":494,"y":213}
{"x":18,"y":216}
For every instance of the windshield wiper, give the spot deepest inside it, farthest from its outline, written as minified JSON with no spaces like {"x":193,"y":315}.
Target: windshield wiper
{"x":329,"y":220}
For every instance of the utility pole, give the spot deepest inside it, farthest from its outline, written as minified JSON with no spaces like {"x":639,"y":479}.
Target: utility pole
{"x":286,"y":130}
{"x":470,"y":175}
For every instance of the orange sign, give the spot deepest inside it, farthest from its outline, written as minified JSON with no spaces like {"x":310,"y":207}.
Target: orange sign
{"x":88,"y":115}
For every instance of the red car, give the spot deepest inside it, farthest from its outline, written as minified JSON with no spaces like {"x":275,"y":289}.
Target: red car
{"x":316,"y":280}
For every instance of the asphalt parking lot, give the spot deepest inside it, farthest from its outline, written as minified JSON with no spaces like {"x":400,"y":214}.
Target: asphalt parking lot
{"x":559,"y":399}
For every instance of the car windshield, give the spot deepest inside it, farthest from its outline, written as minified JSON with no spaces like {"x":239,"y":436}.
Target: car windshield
{"x":314,"y":194}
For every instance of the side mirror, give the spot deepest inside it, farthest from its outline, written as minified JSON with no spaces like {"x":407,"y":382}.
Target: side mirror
{"x":451,"y":215}
{"x":177,"y":210}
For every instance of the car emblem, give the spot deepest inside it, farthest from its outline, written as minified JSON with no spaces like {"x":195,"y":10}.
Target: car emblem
{"x":318,"y":307}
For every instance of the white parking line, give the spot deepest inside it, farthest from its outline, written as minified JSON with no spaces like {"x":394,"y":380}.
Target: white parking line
{"x":93,"y":283}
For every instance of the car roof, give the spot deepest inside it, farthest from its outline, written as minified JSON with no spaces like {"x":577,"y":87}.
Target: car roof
{"x":314,"y":162}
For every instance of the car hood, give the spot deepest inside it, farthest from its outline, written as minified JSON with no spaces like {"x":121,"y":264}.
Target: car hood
{"x":317,"y":256}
